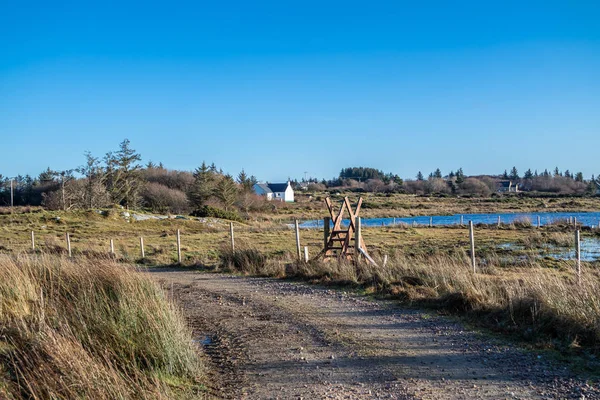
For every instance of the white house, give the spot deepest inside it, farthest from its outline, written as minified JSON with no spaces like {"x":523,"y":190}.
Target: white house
{"x":508,"y":186}
{"x":275,"y":191}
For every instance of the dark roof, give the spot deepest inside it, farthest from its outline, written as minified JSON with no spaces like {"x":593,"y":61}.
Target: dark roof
{"x":278,"y":187}
{"x":505,"y":183}
{"x":264,"y":187}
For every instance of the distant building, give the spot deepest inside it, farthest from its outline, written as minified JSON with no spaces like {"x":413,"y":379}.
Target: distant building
{"x":275,"y":191}
{"x":508,"y":187}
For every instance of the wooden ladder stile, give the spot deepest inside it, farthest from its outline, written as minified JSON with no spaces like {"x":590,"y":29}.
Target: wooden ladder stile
{"x":340,"y":243}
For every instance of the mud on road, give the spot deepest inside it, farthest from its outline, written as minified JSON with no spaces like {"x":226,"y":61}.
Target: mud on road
{"x":273,"y":339}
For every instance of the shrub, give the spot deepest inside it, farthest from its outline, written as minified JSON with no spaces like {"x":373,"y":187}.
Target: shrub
{"x":179,"y":180}
{"x":160,"y":198}
{"x":476,"y":187}
{"x":213,"y":212}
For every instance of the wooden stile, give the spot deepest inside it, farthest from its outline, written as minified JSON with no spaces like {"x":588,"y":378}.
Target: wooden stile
{"x":340,"y":240}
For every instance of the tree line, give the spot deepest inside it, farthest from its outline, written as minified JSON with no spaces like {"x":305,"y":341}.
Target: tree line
{"x":456,"y":182}
{"x":119,"y":178}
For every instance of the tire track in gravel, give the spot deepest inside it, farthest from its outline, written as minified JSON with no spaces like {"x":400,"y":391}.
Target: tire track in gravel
{"x":273,"y":339}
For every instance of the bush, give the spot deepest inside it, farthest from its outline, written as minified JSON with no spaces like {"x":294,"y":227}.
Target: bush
{"x":179,"y":180}
{"x":160,"y":198}
{"x":212,"y":212}
{"x":475,"y":187}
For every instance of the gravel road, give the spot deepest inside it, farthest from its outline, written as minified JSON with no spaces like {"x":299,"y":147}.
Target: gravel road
{"x":273,"y":339}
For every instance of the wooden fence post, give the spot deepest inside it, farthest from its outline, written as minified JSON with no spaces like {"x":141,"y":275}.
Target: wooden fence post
{"x":430,"y":222}
{"x":32,"y":241}
{"x":68,"y":244}
{"x":498,"y":221}
{"x":472,"y":237}
{"x":357,"y":235}
{"x":305,"y":254}
{"x":178,"y":247}
{"x":385,"y":260}
{"x":112,"y":247}
{"x":462,"y":220}
{"x":231,"y":236}
{"x":298,"y":250}
{"x":326,"y":222}
{"x":142,"y":247}
{"x":539,"y":221}
{"x":578,"y":255}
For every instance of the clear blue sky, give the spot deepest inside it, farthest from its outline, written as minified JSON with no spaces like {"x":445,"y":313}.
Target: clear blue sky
{"x":279,"y":87}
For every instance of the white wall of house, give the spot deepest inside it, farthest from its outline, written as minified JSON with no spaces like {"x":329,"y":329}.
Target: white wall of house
{"x":289,"y":194}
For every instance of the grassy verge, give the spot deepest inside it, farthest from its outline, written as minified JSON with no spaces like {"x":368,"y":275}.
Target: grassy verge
{"x":544,"y":305}
{"x":90,"y":329}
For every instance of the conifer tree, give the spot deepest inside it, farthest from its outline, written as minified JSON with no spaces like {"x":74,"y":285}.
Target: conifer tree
{"x":203,"y":188}
{"x":226,"y":191}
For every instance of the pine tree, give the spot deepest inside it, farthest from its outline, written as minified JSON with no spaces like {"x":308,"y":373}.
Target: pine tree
{"x":460,"y":176}
{"x":226,"y":191}
{"x":514,"y":174}
{"x":505,"y":175}
{"x":47,"y":176}
{"x":245,"y":181}
{"x":579,"y":177}
{"x":203,"y":187}
{"x":557,"y":172}
{"x":528,"y":174}
{"x":437,"y":173}
{"x":420,"y":176}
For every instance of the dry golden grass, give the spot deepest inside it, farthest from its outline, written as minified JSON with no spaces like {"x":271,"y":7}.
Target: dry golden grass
{"x":90,"y":329}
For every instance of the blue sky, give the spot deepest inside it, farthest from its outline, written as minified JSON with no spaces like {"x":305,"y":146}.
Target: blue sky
{"x":280,"y":88}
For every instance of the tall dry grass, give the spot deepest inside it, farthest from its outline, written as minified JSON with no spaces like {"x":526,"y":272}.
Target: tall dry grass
{"x":526,"y":298}
{"x":89,"y":328}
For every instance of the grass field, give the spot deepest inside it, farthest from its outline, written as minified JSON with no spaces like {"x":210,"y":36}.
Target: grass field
{"x":515,"y":290}
{"x":91,"y":232}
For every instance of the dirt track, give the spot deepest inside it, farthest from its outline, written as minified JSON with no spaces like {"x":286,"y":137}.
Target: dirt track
{"x":270,"y":339}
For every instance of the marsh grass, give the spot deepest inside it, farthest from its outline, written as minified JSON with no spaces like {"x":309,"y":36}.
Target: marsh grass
{"x":543,"y":239}
{"x":90,"y":328}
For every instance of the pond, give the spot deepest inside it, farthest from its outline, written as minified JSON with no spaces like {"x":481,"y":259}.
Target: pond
{"x":591,"y":219}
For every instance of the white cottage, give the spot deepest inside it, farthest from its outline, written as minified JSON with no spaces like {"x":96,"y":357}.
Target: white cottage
{"x":275,"y":191}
